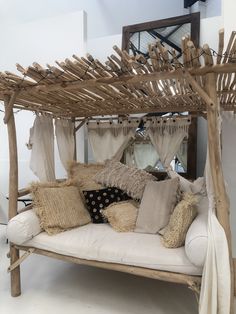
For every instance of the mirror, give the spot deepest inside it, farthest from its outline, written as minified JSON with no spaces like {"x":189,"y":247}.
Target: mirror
{"x":136,"y":40}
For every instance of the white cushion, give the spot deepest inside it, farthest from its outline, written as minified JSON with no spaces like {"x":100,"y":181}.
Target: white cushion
{"x":101,"y":243}
{"x":197,"y":238}
{"x":23,"y":227}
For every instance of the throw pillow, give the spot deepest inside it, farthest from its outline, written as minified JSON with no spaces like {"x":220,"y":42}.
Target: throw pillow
{"x":59,"y":206}
{"x":97,"y":200}
{"x":183,"y":215}
{"x":196,"y":187}
{"x":131,"y":180}
{"x":122,"y":216}
{"x":159,"y":199}
{"x":84,"y":174}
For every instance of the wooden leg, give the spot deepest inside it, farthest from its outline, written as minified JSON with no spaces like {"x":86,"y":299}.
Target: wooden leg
{"x":15,"y":274}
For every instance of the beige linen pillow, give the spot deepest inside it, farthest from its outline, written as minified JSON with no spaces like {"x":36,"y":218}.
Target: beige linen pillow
{"x":122,"y":216}
{"x":129,"y":179}
{"x":159,"y":199}
{"x":84,"y":174}
{"x":59,"y":206}
{"x":183,"y":215}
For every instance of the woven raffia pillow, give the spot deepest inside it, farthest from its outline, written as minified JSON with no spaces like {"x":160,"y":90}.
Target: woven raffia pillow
{"x":122,"y":216}
{"x":183,"y":215}
{"x":129,"y":179}
{"x":84,"y":174}
{"x":59,"y":206}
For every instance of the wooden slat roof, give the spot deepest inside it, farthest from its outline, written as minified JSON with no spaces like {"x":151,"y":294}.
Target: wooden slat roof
{"x":84,"y":87}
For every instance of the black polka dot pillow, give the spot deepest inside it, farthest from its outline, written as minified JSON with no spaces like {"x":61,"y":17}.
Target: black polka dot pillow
{"x":97,"y":200}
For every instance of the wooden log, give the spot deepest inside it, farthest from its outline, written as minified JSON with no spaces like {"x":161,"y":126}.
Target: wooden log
{"x":221,"y":198}
{"x":13,"y":193}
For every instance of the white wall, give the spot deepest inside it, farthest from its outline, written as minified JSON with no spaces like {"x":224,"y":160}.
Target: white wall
{"x":44,"y":41}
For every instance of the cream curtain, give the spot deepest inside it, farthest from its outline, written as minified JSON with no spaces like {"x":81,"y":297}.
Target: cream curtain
{"x":166,"y":136}
{"x":145,"y":155}
{"x":109,"y":139}
{"x":41,"y":142}
{"x":182,"y":154}
{"x":64,"y":130}
{"x":215,"y":290}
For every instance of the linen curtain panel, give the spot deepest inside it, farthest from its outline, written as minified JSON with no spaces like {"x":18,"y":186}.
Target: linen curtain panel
{"x":182,"y":154}
{"x":215,"y":290}
{"x":166,"y":136}
{"x":64,"y":130}
{"x":109,"y":139}
{"x":145,"y":155}
{"x":41,"y":142}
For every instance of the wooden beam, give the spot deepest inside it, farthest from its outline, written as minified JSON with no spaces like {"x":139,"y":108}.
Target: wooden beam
{"x":13,"y":191}
{"x":221,"y":198}
{"x":9,"y":107}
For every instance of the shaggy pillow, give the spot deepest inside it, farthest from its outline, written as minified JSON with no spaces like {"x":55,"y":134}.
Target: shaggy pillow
{"x":59,"y":206}
{"x":183,"y":215}
{"x":129,"y":179}
{"x":122,"y":216}
{"x":159,"y":199}
{"x":97,"y":200}
{"x":84,"y":174}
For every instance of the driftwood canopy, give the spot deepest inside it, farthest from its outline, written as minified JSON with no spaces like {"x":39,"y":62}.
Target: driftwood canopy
{"x":84,"y":87}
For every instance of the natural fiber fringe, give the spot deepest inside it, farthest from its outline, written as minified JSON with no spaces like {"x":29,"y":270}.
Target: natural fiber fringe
{"x":122,"y":216}
{"x":183,"y":215}
{"x":131,"y":180}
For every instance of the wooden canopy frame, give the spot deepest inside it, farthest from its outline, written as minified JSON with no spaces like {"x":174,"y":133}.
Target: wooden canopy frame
{"x":84,"y":87}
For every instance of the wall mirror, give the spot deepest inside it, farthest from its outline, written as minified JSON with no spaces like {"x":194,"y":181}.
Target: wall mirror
{"x":136,"y":40}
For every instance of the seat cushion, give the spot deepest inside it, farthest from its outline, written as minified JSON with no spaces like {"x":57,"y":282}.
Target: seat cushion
{"x":101,"y":243}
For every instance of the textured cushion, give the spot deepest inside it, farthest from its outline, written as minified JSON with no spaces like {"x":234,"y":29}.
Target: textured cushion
{"x":196,"y":187}
{"x":59,"y":206}
{"x":157,"y":204}
{"x":180,"y":220}
{"x":131,"y":180}
{"x":84,"y":174}
{"x":97,"y":200}
{"x":197,"y":238}
{"x":23,"y":227}
{"x":122,"y":216}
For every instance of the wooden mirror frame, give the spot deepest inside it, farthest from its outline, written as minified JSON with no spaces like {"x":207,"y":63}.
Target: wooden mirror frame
{"x":194,"y":20}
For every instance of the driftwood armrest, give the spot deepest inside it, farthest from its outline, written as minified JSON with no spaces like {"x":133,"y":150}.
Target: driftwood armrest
{"x":23,"y":192}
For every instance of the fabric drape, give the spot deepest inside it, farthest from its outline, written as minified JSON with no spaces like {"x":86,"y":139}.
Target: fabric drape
{"x":215,"y":289}
{"x":182,"y":154}
{"x":166,"y":136}
{"x":41,"y":142}
{"x":109,"y":139}
{"x":64,"y":130}
{"x":145,"y":155}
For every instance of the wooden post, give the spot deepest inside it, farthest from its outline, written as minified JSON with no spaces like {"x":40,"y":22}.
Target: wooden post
{"x":221,"y":198}
{"x":13,"y":191}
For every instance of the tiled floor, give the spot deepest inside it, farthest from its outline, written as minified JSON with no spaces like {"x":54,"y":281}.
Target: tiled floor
{"x":51,"y":286}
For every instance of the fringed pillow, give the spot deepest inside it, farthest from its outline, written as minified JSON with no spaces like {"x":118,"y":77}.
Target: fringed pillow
{"x":122,"y":216}
{"x":129,"y":179}
{"x":84,"y":174}
{"x":59,"y":206}
{"x":183,"y":215}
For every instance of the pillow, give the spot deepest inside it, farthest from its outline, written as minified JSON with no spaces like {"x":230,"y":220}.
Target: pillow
{"x":196,"y":187}
{"x":196,"y":241}
{"x":84,"y":174}
{"x":180,"y":221}
{"x":131,"y":180}
{"x":122,"y":216}
{"x":96,"y":200}
{"x":159,"y":199}
{"x":59,"y":206}
{"x":23,"y":227}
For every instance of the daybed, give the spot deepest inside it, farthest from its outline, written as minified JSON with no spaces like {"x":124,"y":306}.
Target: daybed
{"x":85,"y":88}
